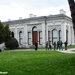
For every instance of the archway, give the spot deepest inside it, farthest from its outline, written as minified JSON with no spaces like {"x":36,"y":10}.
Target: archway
{"x":20,"y":38}
{"x":12,"y":34}
{"x":34,"y":35}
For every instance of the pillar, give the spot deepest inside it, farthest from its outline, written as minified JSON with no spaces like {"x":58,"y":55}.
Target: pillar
{"x":63,"y":32}
{"x":43,"y":34}
{"x":26,"y":35}
{"x":69,"y":35}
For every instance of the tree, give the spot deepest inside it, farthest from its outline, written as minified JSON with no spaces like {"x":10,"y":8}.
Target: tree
{"x":7,"y":32}
{"x":2,"y":33}
{"x":72,"y":9}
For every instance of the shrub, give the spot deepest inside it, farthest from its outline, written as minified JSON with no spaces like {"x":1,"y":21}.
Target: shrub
{"x":11,"y":43}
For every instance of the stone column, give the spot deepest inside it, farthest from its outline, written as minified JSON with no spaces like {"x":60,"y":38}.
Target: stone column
{"x":72,"y":36}
{"x":16,"y":33}
{"x":58,"y":34}
{"x":63,"y":32}
{"x":69,"y":35}
{"x":26,"y":35}
{"x":43,"y":34}
{"x":47,"y":33}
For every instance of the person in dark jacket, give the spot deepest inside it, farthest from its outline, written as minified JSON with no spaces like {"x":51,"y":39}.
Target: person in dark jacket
{"x":54,"y":45}
{"x":58,"y":44}
{"x":50,"y":47}
{"x":65,"y":44}
{"x":47,"y":45}
{"x":36,"y":45}
{"x":61,"y":47}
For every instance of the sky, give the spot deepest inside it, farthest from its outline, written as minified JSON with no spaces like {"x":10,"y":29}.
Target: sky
{"x":14,"y":9}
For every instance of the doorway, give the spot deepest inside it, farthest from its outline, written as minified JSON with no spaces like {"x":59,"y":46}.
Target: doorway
{"x":34,"y":35}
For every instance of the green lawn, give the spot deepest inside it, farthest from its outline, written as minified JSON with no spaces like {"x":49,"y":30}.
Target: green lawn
{"x":71,"y":46}
{"x":37,"y":63}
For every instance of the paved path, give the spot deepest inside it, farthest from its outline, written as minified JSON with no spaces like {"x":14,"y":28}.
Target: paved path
{"x":68,"y":50}
{"x":65,"y":51}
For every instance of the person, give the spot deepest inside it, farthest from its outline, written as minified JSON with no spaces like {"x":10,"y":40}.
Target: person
{"x":0,"y":50}
{"x":36,"y":45}
{"x":47,"y":45}
{"x":65,"y":44}
{"x":50,"y":47}
{"x":54,"y":45}
{"x":61,"y":48}
{"x":58,"y":44}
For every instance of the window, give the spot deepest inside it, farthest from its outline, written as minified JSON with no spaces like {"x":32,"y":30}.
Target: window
{"x":12,"y":34}
{"x":29,"y":38}
{"x":40,"y":37}
{"x":49,"y":35}
{"x":66,"y":34}
{"x":59,"y":35}
{"x":54,"y":36}
{"x":20,"y":37}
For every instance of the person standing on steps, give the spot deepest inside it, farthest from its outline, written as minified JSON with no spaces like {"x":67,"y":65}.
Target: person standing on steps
{"x":36,"y":45}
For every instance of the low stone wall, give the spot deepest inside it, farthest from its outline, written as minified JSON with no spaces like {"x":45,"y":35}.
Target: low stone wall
{"x":2,"y":46}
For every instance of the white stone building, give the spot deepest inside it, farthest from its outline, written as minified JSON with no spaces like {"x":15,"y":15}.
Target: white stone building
{"x":41,"y":29}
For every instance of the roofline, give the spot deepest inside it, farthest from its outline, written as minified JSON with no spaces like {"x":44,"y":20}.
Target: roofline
{"x":36,"y":18}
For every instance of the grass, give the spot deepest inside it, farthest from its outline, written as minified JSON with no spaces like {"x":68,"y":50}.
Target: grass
{"x":37,"y":62}
{"x":71,"y":46}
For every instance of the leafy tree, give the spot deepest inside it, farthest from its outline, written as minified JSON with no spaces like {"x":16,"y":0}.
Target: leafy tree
{"x":2,"y":33}
{"x":7,"y":32}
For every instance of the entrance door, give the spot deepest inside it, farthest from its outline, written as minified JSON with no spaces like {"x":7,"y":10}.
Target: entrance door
{"x":34,"y":35}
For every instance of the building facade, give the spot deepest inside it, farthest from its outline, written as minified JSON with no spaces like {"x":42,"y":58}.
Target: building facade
{"x":42,"y":29}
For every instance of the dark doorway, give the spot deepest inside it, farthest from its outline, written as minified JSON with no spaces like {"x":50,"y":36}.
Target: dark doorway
{"x":34,"y":35}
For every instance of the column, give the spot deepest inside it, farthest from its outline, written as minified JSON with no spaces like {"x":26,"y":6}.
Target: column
{"x":51,"y":36}
{"x":58,"y":35}
{"x":16,"y":32}
{"x":26,"y":36}
{"x":72,"y":36}
{"x":63,"y":32}
{"x":69,"y":35}
{"x":47,"y":32}
{"x":43,"y":34}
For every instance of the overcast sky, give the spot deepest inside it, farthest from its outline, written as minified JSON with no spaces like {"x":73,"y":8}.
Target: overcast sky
{"x":13,"y":9}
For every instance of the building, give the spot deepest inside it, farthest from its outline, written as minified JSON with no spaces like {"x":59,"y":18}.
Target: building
{"x":41,"y":29}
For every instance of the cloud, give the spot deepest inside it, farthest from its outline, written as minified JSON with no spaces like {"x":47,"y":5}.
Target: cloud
{"x":13,"y":9}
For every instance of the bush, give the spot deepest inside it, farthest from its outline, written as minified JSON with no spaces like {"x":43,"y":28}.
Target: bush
{"x":11,"y":43}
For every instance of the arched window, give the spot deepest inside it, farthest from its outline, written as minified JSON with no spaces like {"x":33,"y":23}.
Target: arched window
{"x":34,"y":28}
{"x":59,"y":35}
{"x":54,"y":35}
{"x":12,"y":34}
{"x":20,"y":37}
{"x":49,"y":35}
{"x":67,"y":35}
